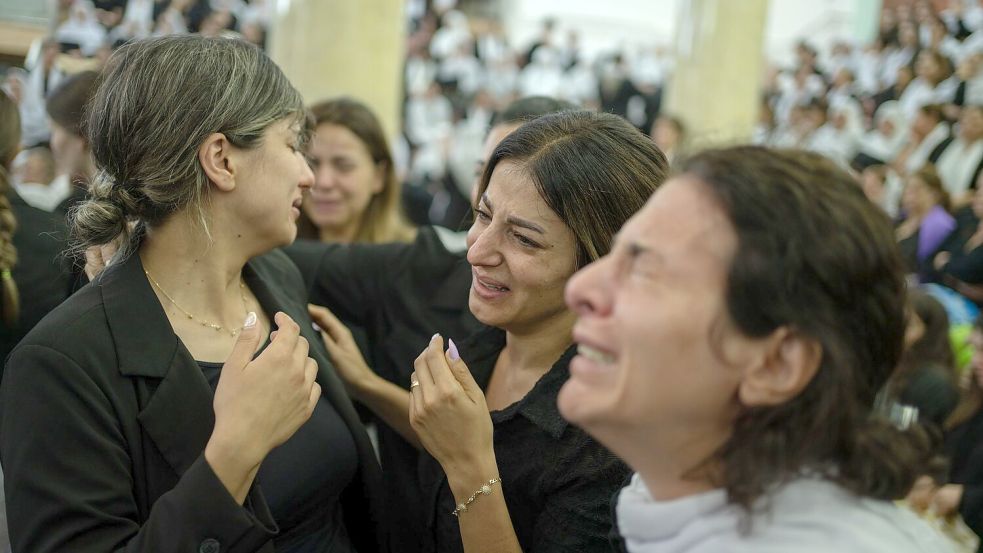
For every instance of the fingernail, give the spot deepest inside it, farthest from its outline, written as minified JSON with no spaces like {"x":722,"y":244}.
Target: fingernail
{"x":250,"y":320}
{"x":434,"y":337}
{"x":452,"y":350}
{"x":315,"y":327}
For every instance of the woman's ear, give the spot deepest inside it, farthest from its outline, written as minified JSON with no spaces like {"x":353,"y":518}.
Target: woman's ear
{"x":789,"y":362}
{"x":214,"y":154}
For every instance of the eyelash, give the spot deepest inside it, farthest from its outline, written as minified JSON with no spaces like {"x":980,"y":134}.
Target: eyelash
{"x":483,"y":216}
{"x":525,"y":241}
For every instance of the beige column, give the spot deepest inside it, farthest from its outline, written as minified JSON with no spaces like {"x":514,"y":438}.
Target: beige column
{"x":343,"y":47}
{"x":715,"y":88}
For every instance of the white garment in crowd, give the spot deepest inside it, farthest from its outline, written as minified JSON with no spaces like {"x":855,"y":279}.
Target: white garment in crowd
{"x":957,"y":164}
{"x":877,"y":143}
{"x":451,"y":36}
{"x":921,"y":93}
{"x":804,"y":516}
{"x":919,"y":156}
{"x":542,"y":77}
{"x":840,"y":138}
{"x":428,"y":118}
{"x":46,"y":197}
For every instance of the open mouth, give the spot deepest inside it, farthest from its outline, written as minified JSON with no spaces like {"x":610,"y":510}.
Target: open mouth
{"x":493,"y":287}
{"x":594,"y":355}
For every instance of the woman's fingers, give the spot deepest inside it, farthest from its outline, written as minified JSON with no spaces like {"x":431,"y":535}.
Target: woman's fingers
{"x":326,"y":320}
{"x":440,"y":371}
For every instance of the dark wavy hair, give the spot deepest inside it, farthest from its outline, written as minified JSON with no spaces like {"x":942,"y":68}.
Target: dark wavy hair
{"x":594,"y":170}
{"x":816,"y":256}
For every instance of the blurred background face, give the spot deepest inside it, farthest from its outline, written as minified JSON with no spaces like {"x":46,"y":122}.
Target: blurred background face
{"x":971,"y":123}
{"x":346,"y":179}
{"x":927,"y":67}
{"x":873,"y":185}
{"x":917,"y":197}
{"x":923,"y":123}
{"x":665,"y":134}
{"x":70,"y":150}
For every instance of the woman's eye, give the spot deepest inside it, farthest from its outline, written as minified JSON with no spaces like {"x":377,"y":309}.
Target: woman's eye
{"x":481,"y":214}
{"x":525,"y":241}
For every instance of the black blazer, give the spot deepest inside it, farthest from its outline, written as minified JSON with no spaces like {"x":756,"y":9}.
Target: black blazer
{"x":104,"y":416}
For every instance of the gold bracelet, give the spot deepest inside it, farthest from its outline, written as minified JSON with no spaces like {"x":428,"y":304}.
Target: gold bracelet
{"x":484,"y":490}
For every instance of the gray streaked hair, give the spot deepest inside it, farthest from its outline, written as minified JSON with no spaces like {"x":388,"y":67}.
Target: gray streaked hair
{"x":157,"y":101}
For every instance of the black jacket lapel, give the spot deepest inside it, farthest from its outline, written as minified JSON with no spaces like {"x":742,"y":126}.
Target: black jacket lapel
{"x":176,"y":401}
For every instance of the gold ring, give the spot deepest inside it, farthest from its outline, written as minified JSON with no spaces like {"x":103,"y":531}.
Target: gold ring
{"x":414,"y":384}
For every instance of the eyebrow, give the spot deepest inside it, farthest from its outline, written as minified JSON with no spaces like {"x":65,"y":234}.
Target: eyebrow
{"x":513,"y":220}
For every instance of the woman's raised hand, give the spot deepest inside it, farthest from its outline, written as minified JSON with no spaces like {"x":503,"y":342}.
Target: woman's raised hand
{"x":448,"y":410}
{"x":344,"y":352}
{"x":260,"y":403}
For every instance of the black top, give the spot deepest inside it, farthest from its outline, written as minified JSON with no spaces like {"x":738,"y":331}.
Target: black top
{"x":301,"y":488}
{"x":964,"y":446}
{"x":557,"y":481}
{"x":964,"y":265}
{"x":42,"y":276}
{"x":400,"y":295}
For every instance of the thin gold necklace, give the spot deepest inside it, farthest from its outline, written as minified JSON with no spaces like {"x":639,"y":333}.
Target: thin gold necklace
{"x":233,"y":331}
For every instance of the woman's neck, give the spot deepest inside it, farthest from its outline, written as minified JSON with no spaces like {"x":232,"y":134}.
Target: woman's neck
{"x":538,"y":348}
{"x":672,"y":461}
{"x":194,"y":273}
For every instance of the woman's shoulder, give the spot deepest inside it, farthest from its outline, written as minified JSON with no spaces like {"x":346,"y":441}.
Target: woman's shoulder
{"x":821,"y":515}
{"x":804,"y":516}
{"x":77,"y":329}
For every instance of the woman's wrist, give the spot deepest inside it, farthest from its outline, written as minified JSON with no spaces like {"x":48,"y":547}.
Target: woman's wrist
{"x":464,"y":476}
{"x":367,"y":388}
{"x":234,"y":466}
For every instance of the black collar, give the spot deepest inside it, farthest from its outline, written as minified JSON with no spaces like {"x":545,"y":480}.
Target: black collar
{"x":481,"y":350}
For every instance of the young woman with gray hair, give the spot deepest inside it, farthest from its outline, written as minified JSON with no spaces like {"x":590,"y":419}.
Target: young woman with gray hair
{"x":146,"y":412}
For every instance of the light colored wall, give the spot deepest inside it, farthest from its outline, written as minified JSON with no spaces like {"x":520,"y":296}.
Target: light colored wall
{"x":343,"y":47}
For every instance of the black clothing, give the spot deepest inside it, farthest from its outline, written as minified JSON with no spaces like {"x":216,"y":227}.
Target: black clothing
{"x":963,"y":265}
{"x":41,"y":274}
{"x":964,"y":446}
{"x":301,"y":490}
{"x":400,"y":295}
{"x":931,"y":389}
{"x":104,"y":417}
{"x":909,"y":253}
{"x":557,"y":481}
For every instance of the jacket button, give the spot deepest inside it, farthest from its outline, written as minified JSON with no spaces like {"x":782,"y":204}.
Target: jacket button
{"x":209,"y":546}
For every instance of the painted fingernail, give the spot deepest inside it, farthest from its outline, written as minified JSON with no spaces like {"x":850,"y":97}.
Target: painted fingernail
{"x":434,"y":337}
{"x":452,"y":350}
{"x":315,"y":327}
{"x":250,"y":320}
